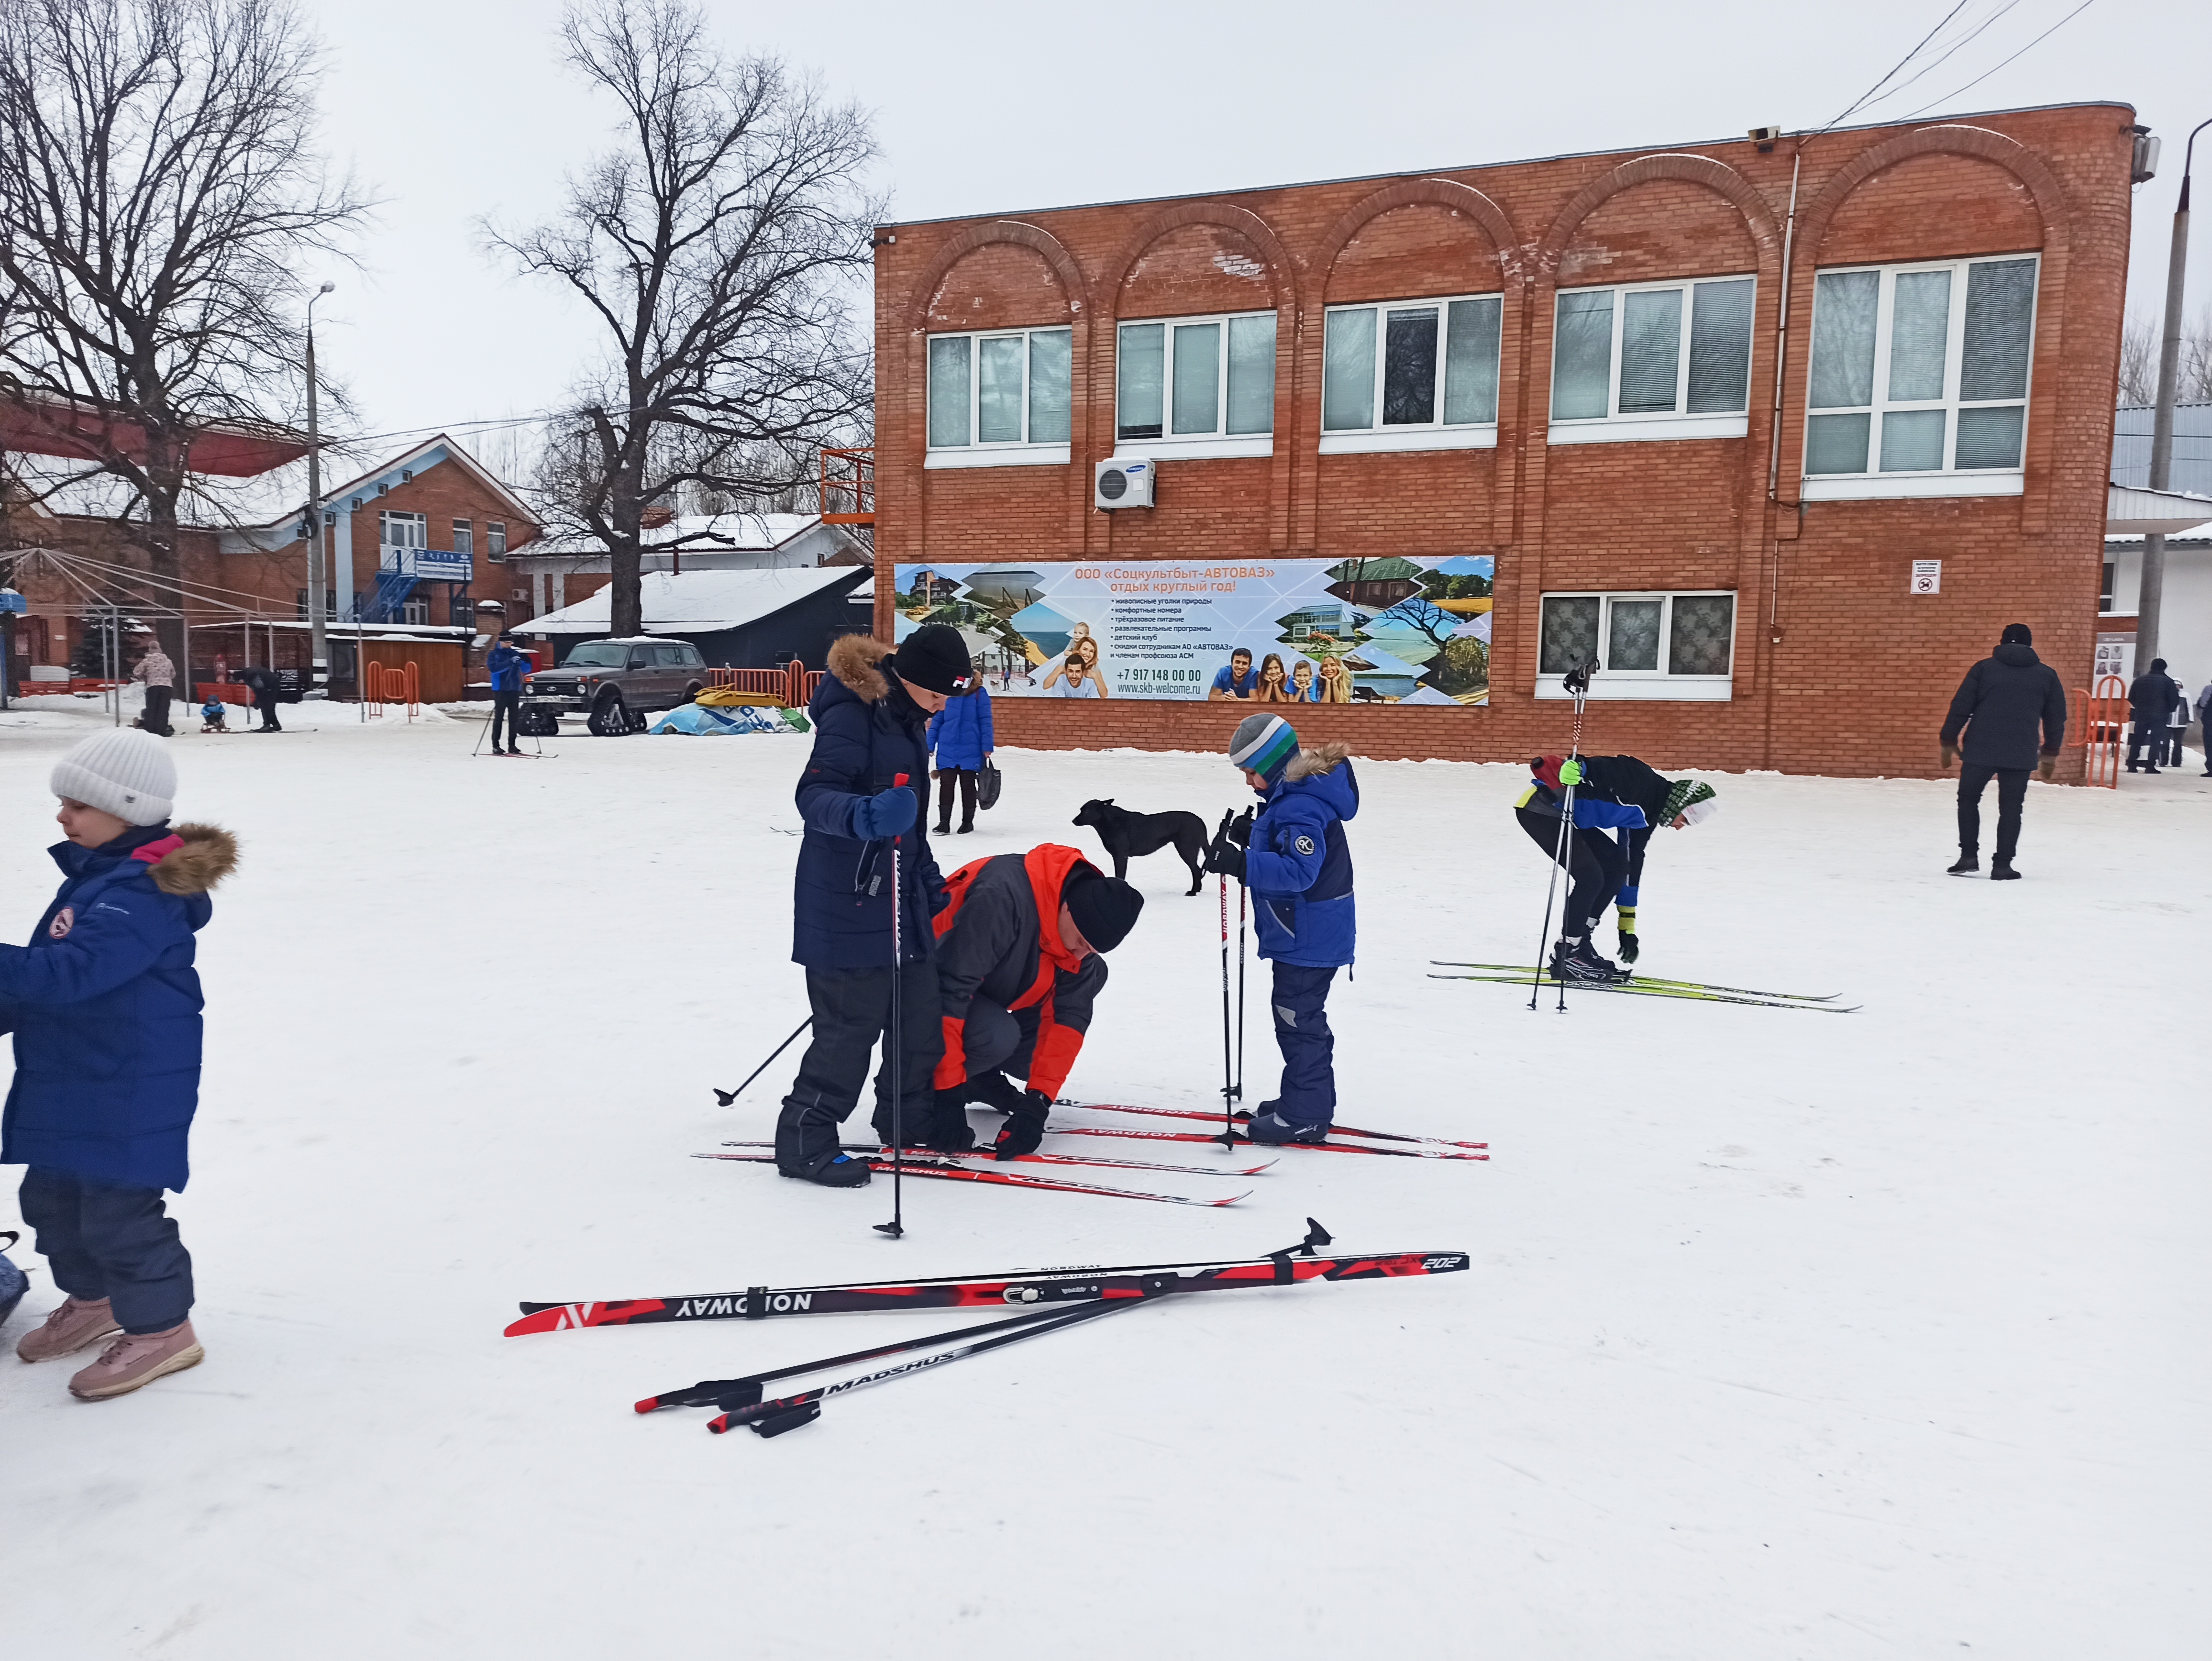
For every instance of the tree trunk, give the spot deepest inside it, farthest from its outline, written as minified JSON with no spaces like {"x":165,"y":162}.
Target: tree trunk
{"x":626,"y":607}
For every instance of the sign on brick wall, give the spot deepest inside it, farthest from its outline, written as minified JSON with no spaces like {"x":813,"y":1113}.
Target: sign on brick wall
{"x":1393,"y":630}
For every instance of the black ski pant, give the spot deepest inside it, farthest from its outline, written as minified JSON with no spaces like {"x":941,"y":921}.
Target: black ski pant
{"x":967,"y":777}
{"x":2145,"y":735}
{"x":997,"y":1039}
{"x":156,"y":719}
{"x":107,"y":1241}
{"x":851,"y":1011}
{"x":1596,"y":865}
{"x":508,"y":705}
{"x":2012,"y":795}
{"x":1300,"y":999}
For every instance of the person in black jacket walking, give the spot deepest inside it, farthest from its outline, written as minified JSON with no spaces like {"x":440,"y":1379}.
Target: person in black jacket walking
{"x":2150,"y":696}
{"x":864,"y":785}
{"x":2000,"y":704}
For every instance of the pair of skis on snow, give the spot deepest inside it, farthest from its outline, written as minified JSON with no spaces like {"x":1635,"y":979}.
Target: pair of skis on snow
{"x":1651,"y":986}
{"x":956,"y":1167}
{"x":1051,"y":1299}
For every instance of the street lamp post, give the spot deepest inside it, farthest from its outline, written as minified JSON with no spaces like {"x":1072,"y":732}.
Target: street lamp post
{"x":2161,"y":428}
{"x":318,"y":579}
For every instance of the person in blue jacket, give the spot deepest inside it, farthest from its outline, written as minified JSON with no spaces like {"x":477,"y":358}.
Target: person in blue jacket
{"x":1298,"y":864}
{"x":506,"y":666}
{"x":1619,"y":794}
{"x":864,"y":787}
{"x":104,"y":1005}
{"x":960,"y":734}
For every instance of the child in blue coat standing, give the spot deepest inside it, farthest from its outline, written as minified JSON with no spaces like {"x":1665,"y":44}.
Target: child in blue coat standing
{"x":960,"y":733}
{"x":104,"y":1007}
{"x":1298,"y":866}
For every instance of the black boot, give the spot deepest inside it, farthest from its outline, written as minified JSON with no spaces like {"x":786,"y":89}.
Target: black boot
{"x":1970,"y":863}
{"x":838,"y":1171}
{"x":2001,"y":870}
{"x":1576,"y":959}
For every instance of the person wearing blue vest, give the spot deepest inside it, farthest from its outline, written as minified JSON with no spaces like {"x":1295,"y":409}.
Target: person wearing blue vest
{"x":1296,"y":863}
{"x":506,"y":667}
{"x":104,"y":1005}
{"x":960,"y":734}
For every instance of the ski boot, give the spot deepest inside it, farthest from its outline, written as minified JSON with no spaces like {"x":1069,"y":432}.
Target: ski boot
{"x":1578,"y":960}
{"x":1268,"y":1126}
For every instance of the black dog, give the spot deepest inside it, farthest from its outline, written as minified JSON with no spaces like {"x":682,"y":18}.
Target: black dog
{"x":1128,"y":835}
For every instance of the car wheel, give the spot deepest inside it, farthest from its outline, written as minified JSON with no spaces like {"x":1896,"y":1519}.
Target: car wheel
{"x":536,"y":723}
{"x":691,"y":693}
{"x":609,"y":717}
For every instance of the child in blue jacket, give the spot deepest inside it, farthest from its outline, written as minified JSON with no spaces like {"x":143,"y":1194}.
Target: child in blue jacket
{"x":104,"y":1007}
{"x":960,"y":733}
{"x":1299,"y":867}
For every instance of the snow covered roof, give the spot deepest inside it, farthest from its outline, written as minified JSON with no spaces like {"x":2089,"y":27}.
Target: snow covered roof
{"x":2132,"y":511}
{"x":701,"y":602}
{"x":700,"y":533}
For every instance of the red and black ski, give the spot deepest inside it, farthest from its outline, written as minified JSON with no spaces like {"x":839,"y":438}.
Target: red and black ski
{"x":1244,"y":1117}
{"x":1080,"y":1283}
{"x":988,"y":1153}
{"x":943,"y":1168}
{"x":1421,"y":1153}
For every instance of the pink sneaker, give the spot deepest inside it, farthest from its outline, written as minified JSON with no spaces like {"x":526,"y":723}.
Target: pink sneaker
{"x":132,"y":1361}
{"x":74,"y":1326}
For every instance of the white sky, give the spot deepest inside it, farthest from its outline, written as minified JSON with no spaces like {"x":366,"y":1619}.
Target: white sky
{"x":451,"y":112}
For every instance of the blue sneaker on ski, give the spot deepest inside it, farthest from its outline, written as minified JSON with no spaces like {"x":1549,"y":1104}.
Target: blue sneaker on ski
{"x":1269,"y":1126}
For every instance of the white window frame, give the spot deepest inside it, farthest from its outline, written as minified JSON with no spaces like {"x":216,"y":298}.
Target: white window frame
{"x":1644,"y":685}
{"x":1874,"y":485}
{"x":1019,"y":453}
{"x":1220,"y":441}
{"x":1437,"y":435}
{"x":388,"y":519}
{"x":464,"y":536}
{"x":1613,"y":427}
{"x":495,"y":539}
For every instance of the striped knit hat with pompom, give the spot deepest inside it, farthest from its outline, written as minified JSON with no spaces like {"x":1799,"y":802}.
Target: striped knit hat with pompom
{"x":1264,"y":745}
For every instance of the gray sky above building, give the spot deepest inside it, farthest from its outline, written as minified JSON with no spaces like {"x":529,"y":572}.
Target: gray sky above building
{"x":452,"y":111}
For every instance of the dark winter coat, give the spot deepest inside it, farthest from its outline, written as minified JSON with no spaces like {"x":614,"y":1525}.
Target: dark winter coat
{"x":2151,"y":695}
{"x":105,"y":1007}
{"x":999,"y":939}
{"x":867,"y":732}
{"x":2000,"y":704}
{"x":960,"y":733}
{"x":1298,"y":866}
{"x":1624,"y":794}
{"x":506,"y":667}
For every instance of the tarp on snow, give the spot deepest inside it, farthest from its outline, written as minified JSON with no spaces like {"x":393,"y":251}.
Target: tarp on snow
{"x":737,"y":721}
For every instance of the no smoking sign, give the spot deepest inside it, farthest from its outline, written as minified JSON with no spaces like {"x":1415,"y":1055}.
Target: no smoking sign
{"x":1927,"y":576}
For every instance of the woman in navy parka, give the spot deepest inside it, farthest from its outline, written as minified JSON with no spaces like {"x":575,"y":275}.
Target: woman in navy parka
{"x":960,"y":733}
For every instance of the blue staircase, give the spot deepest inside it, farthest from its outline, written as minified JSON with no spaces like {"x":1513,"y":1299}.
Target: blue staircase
{"x":392,"y":588}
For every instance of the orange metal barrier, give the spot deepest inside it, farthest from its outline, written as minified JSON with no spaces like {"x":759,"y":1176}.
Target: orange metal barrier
{"x":794,"y":683}
{"x":2104,"y":732}
{"x":383,"y":684}
{"x":848,"y":487}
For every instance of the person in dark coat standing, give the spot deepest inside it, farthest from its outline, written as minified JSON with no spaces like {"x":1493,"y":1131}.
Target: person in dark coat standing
{"x":506,"y":666}
{"x":105,"y":1004}
{"x":2000,"y":705}
{"x":2150,"y":696}
{"x":865,"y":787}
{"x":262,"y":683}
{"x":1018,"y":968}
{"x":960,"y":735}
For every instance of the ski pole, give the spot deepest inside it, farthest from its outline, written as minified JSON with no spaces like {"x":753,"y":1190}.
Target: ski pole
{"x":1228,"y":1080}
{"x":896,"y":1060}
{"x":1575,"y":682}
{"x":726,"y":1097}
{"x":1241,"y":893}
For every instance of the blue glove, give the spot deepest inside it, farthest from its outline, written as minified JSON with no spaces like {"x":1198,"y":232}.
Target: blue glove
{"x":884,"y":814}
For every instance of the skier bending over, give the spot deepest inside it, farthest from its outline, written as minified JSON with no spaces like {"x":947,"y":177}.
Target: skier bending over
{"x":1612,"y":792}
{"x":1299,"y":867}
{"x":1017,"y":970}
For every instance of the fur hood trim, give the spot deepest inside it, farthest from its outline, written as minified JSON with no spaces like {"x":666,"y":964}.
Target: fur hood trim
{"x":852,"y":660}
{"x":1307,"y":763}
{"x":210,"y":854}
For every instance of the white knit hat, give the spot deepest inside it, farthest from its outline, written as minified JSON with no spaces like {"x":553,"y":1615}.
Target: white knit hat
{"x":123,"y":771}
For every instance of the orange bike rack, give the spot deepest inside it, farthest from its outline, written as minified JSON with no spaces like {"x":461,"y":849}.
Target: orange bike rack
{"x":382,"y":684}
{"x":2100,"y":731}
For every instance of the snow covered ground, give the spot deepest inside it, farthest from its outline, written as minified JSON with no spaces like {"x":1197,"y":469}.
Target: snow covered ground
{"x":1787,"y":1336}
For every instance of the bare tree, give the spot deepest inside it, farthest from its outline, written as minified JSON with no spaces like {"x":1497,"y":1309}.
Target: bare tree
{"x":2140,"y":345}
{"x":158,"y":187}
{"x":718,"y":247}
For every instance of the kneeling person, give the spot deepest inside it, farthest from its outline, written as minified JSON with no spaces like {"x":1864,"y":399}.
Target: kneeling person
{"x":1017,"y":970}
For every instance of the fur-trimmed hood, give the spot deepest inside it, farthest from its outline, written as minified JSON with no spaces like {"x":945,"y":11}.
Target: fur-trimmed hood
{"x":1310,"y":764}
{"x":209,"y":855}
{"x":853,"y":660}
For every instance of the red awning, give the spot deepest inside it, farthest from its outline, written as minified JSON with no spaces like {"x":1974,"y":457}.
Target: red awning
{"x":77,"y":431}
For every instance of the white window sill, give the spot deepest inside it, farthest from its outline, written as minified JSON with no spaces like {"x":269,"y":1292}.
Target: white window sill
{"x":1656,"y":688}
{"x":1640,"y":429}
{"x":999,"y":455}
{"x":1380,"y":439}
{"x":1195,"y":449}
{"x":1876,"y":487}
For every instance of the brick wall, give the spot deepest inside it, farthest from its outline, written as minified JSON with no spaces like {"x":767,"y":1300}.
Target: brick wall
{"x":1852,"y":676}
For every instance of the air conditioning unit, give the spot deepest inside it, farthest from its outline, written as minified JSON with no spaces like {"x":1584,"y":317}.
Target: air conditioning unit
{"x":1124,"y":482}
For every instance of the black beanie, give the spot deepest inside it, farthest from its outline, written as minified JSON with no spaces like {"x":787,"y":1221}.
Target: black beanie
{"x":934,"y":656}
{"x":1105,"y":908}
{"x":2016,"y":634}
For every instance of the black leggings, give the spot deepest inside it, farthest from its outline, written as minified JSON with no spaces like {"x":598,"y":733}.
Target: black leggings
{"x":966,"y":775}
{"x":1596,"y":865}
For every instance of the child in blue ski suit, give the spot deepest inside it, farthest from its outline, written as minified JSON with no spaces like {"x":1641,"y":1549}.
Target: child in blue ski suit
{"x":106,"y":1008}
{"x":1297,"y":865}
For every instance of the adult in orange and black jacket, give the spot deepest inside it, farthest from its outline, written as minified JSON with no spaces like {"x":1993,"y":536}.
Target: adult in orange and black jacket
{"x":1018,"y":971}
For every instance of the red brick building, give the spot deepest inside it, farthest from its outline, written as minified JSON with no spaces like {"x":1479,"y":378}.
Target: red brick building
{"x":1732,"y":388}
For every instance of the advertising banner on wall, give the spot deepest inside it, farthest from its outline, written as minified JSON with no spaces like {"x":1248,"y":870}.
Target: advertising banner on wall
{"x":1391,"y":630}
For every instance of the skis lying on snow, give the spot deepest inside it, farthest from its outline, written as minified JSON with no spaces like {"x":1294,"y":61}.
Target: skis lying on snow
{"x":986,"y":1153}
{"x":1080,"y":1283}
{"x":1218,"y":1139}
{"x":1645,"y":989}
{"x":1639,"y":979}
{"x":1244,"y":1117}
{"x":945,"y":1167}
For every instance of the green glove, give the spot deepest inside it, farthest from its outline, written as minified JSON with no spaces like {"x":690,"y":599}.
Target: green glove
{"x":1571,"y":772}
